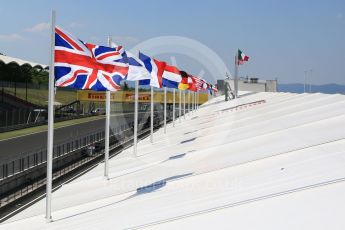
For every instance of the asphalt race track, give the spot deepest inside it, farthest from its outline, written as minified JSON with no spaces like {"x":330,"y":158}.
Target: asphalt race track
{"x":13,"y":147}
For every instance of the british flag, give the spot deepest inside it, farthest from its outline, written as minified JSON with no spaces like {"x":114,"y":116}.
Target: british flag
{"x":86,"y":66}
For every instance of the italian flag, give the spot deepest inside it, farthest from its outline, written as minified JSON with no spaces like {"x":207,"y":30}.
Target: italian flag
{"x":242,"y":57}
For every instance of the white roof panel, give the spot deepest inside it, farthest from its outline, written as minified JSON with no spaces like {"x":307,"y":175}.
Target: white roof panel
{"x":274,"y":165}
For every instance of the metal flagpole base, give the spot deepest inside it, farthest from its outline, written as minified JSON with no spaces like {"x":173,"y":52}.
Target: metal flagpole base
{"x":49,"y":220}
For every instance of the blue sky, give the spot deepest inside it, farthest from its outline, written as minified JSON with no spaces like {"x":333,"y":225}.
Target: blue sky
{"x":282,"y":38}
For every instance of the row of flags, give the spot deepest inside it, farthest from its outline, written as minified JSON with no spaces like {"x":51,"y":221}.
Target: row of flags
{"x":83,"y":65}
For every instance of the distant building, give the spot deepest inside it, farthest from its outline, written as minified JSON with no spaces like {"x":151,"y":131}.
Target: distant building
{"x":251,"y":84}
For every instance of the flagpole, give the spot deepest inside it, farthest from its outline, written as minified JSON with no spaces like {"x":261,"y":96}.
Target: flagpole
{"x":184,"y":105}
{"x":193,"y":102}
{"x":50,"y":122}
{"x":174,"y":107}
{"x":165,"y":109}
{"x":195,"y":93}
{"x":151,"y":137}
{"x":180,"y":105}
{"x":136,"y":118}
{"x":194,"y":99}
{"x":236,"y":76}
{"x":197,"y":100}
{"x":106,"y":129}
{"x":189,"y":103}
{"x":106,"y":135}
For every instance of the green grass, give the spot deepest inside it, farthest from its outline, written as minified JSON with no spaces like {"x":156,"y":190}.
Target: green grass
{"x":21,"y":132}
{"x":40,"y":96}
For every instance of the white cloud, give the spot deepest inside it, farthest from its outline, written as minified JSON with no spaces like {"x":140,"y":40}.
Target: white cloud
{"x":40,"y":27}
{"x":10,"y":37}
{"x":75,"y":25}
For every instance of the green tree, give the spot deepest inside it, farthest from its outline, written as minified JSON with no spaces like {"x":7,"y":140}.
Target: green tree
{"x":40,"y":78}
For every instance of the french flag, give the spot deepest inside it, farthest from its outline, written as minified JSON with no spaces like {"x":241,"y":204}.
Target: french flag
{"x":136,"y":69}
{"x":155,"y":68}
{"x":171,"y":77}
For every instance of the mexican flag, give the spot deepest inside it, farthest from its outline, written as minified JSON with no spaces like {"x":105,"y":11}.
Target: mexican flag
{"x":242,"y":57}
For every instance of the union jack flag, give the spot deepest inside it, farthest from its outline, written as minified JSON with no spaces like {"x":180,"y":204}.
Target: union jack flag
{"x":86,"y":66}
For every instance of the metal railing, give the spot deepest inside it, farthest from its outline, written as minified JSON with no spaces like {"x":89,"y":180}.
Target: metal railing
{"x":121,"y":136}
{"x":124,"y":140}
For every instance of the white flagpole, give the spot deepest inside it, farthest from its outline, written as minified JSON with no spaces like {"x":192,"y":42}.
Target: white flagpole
{"x":152,"y":107}
{"x":106,"y":135}
{"x":236,"y":76}
{"x":189,"y":102}
{"x":184,"y":105}
{"x":194,"y":102}
{"x":106,"y":129}
{"x":165,"y":109}
{"x":50,"y":122}
{"x":180,"y":105}
{"x":192,"y":93}
{"x":174,"y":107}
{"x":136,"y":96}
{"x":197,"y":99}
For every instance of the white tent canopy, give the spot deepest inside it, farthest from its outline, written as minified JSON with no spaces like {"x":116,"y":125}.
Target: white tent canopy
{"x":8,"y":60}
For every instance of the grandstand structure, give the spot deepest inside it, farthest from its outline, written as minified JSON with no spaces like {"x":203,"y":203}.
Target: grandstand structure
{"x":261,"y":161}
{"x":16,"y":73}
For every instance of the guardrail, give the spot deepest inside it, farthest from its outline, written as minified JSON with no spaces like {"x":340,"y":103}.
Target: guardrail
{"x":59,"y":173}
{"x":121,"y":136}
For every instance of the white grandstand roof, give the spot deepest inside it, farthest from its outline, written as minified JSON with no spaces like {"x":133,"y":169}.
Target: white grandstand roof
{"x":263,"y":161}
{"x":7,"y":60}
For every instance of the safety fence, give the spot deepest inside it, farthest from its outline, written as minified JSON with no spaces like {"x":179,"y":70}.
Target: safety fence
{"x":120,"y":136}
{"x":41,"y":159}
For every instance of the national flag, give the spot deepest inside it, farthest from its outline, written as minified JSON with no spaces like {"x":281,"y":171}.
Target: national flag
{"x":198,"y":83}
{"x":86,"y":66}
{"x":204,"y":85}
{"x":214,"y":88}
{"x":184,"y":84}
{"x":192,"y":83}
{"x":155,"y":68}
{"x":209,"y":88}
{"x":171,"y":77}
{"x":136,"y":68}
{"x":241,"y":57}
